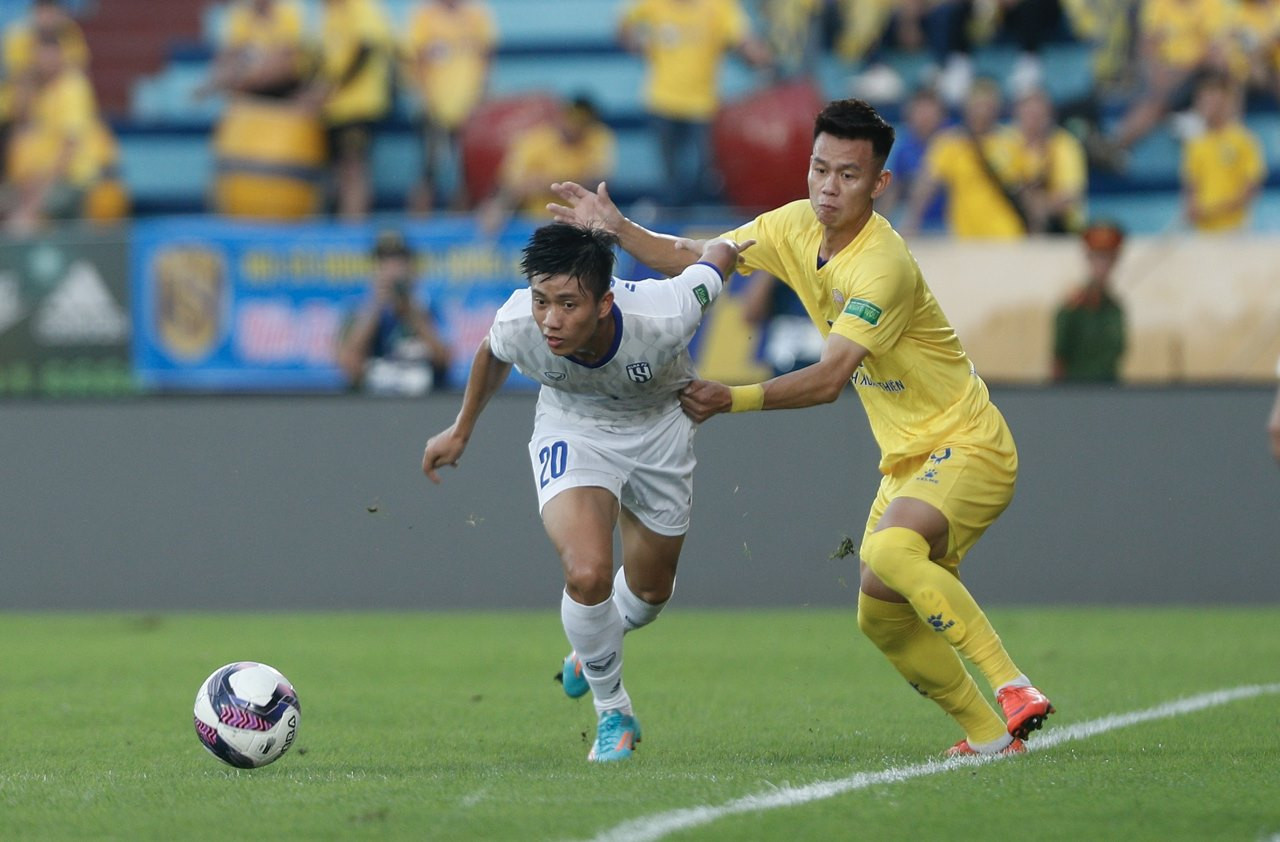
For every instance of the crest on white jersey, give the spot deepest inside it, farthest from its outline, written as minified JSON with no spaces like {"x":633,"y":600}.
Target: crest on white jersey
{"x":640,"y":372}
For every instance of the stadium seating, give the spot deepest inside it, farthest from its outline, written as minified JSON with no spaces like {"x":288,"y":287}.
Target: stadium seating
{"x":167,"y":156}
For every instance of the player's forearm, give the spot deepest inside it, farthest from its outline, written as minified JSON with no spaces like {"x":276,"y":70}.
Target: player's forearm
{"x":655,"y":250}
{"x":488,"y":373}
{"x":816,"y":384}
{"x":808,"y":386}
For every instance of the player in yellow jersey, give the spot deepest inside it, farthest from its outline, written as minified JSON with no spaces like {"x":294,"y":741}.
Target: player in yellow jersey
{"x":947,"y":457}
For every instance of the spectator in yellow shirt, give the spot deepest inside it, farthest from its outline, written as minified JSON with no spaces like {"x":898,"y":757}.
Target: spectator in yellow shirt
{"x":684,"y":43}
{"x":1223,"y":168}
{"x":354,"y":89}
{"x":448,"y":50}
{"x":1049,"y":174}
{"x":263,"y":53}
{"x":46,"y":16}
{"x":576,"y":146}
{"x":57,"y":149}
{"x":974,"y":163}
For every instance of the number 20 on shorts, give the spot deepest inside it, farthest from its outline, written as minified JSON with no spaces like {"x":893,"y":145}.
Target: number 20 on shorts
{"x":553,"y":459}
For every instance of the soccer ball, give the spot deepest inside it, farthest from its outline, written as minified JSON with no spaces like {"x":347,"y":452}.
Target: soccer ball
{"x":247,"y":714}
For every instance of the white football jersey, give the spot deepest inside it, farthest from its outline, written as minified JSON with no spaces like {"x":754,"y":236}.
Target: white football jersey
{"x":642,"y":372}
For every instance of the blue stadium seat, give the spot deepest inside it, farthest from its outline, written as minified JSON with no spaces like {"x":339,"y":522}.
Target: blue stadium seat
{"x":552,"y":26}
{"x":1267,"y":127}
{"x":1156,"y":158}
{"x":1141,"y":213}
{"x":166,"y":168}
{"x":168,"y":95}
{"x":612,"y":81}
{"x":639,"y":171}
{"x":175,"y":169}
{"x":1068,"y":71}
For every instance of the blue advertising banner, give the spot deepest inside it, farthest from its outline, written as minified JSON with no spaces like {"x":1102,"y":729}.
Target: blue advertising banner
{"x":234,"y":306}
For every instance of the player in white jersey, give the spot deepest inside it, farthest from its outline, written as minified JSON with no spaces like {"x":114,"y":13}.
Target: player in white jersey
{"x":610,"y":443}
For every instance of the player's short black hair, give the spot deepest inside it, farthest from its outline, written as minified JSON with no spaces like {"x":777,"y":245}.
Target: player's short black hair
{"x":573,"y":250}
{"x":854,"y":119}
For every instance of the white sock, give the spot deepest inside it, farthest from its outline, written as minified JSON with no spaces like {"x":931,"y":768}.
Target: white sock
{"x":996,"y":746}
{"x":595,"y":633}
{"x":635,"y":612}
{"x":1020,"y":681}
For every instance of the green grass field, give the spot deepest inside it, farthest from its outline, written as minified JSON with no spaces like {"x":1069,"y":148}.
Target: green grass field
{"x":448,"y":726}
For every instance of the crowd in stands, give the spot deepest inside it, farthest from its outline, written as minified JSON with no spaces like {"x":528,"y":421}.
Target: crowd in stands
{"x":59,"y":157}
{"x":988,"y":157}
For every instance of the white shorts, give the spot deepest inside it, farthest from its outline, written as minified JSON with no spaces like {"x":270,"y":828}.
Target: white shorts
{"x":648,"y":468}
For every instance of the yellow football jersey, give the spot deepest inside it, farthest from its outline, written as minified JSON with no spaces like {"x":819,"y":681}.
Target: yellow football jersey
{"x":1220,"y":166}
{"x":917,"y":384}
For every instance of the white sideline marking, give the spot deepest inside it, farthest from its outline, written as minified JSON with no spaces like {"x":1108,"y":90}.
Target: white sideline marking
{"x":655,"y":827}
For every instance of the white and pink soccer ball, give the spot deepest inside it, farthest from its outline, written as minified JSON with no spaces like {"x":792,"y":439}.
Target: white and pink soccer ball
{"x":247,"y":714}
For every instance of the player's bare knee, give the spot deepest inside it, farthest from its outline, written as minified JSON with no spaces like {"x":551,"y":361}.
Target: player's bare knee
{"x":588,"y":584}
{"x":654,"y":593}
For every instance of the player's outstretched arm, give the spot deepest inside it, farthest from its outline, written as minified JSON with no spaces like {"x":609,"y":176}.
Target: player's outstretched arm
{"x":819,"y":383}
{"x":597,"y":210}
{"x":488,"y":373}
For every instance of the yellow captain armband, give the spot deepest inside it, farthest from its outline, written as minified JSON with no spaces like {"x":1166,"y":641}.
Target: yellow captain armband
{"x":746,"y":398}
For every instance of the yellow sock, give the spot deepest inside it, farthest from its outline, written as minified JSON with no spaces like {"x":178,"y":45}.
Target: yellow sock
{"x":900,"y":558}
{"x":930,"y":664}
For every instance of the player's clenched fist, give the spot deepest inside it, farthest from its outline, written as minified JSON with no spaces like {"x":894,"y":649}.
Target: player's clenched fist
{"x":445,"y":448}
{"x":703,"y":398}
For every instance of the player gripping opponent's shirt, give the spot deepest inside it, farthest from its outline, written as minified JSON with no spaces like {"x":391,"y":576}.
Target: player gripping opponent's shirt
{"x":948,"y":460}
{"x":929,"y":411}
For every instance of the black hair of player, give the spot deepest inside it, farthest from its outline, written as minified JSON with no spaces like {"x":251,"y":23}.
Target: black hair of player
{"x":854,"y":119}
{"x":574,"y":250}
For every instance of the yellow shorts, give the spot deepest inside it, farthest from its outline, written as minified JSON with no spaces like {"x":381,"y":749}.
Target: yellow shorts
{"x":970,"y":479}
